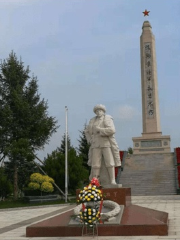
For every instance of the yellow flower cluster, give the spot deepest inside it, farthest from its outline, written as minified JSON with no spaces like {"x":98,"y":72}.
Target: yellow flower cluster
{"x":36,"y":177}
{"x":34,"y":185}
{"x":89,"y":216}
{"x":90,"y":193}
{"x":39,"y":178}
{"x":47,"y":187}
{"x":42,"y":182}
{"x":47,"y":179}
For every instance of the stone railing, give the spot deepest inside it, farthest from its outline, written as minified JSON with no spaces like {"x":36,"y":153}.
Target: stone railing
{"x":177,"y":167}
{"x":123,"y":155}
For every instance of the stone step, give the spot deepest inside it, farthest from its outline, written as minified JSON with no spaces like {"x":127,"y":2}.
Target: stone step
{"x":152,"y":174}
{"x":147,"y":171}
{"x":141,"y":180}
{"x":147,"y":180}
{"x":152,"y":190}
{"x":150,"y":194}
{"x":135,"y":182}
{"x":165,"y":173}
{"x":148,"y":188}
{"x":144,"y":187}
{"x":164,"y":177}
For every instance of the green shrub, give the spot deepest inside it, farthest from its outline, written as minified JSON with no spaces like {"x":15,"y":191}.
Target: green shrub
{"x":41,"y":182}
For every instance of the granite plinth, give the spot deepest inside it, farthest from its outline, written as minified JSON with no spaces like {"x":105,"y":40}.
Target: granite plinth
{"x":135,"y":221}
{"x":112,"y":186}
{"x":112,"y":220}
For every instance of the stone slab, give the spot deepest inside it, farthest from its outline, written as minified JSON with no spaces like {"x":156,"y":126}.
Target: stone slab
{"x":114,"y":220}
{"x":136,"y":221}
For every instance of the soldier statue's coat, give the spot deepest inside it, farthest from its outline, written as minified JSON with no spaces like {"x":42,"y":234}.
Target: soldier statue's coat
{"x":105,"y":138}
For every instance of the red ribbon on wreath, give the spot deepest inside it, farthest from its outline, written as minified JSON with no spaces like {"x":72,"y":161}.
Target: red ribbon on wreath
{"x":100,"y":207}
{"x":83,"y":207}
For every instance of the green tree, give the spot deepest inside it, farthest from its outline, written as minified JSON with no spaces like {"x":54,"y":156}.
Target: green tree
{"x":5,"y":185}
{"x":83,"y":148}
{"x":62,"y":147}
{"x":25,"y":169}
{"x":130,"y":150}
{"x":54,"y":165}
{"x":25,"y":125}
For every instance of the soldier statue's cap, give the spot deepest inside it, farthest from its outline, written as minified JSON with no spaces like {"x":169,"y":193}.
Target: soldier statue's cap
{"x":99,"y":106}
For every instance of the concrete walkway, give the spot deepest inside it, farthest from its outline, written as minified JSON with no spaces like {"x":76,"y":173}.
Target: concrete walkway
{"x":13,"y":222}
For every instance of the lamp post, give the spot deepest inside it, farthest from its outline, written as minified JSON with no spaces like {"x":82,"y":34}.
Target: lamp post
{"x":66,"y":155}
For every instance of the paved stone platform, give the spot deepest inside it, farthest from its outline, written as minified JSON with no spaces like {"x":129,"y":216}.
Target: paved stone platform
{"x":13,"y":223}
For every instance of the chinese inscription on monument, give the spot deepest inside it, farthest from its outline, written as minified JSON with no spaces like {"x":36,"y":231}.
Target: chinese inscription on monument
{"x":149,"y":83}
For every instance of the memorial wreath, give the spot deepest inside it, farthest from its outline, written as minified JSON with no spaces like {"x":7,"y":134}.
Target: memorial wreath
{"x":91,"y":198}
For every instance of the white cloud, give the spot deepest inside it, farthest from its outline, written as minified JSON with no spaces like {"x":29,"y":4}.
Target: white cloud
{"x":125,"y":112}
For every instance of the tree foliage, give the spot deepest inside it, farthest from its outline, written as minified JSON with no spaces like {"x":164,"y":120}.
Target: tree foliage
{"x":25,"y":125}
{"x":54,"y":165}
{"x":25,"y":169}
{"x":62,"y":147}
{"x":5,"y":185}
{"x":83,"y":148}
{"x":130,"y":150}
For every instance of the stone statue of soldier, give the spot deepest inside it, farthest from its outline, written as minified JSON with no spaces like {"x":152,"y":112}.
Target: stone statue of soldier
{"x":104,"y":151}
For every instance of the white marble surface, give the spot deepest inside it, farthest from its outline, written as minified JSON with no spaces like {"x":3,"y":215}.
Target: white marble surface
{"x":104,"y":151}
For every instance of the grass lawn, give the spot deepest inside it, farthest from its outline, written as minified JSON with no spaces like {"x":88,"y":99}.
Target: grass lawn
{"x":21,"y":203}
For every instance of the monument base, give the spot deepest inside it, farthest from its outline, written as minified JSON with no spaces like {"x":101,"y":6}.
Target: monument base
{"x":112,"y":186}
{"x":135,"y":221}
{"x":151,"y":143}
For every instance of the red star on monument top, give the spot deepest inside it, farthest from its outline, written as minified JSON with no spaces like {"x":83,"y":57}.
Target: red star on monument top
{"x":146,"y":13}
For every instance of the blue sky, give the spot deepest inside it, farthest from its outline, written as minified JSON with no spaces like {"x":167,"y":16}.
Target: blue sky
{"x":86,"y":52}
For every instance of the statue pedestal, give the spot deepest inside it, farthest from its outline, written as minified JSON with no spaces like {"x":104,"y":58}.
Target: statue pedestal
{"x":135,"y":220}
{"x":112,"y":186}
{"x":122,"y":196}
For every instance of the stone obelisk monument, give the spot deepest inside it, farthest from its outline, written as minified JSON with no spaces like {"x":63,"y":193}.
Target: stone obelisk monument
{"x":152,"y":140}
